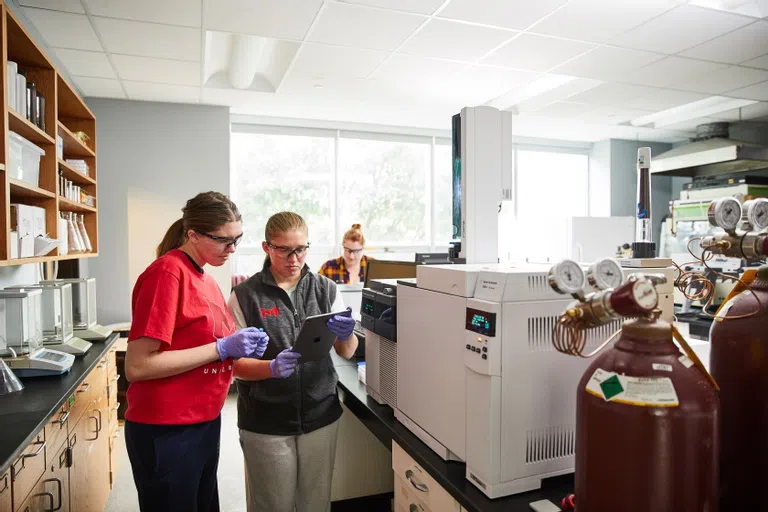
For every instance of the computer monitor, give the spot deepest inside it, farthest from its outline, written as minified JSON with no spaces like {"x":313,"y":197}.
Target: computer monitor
{"x":433,"y":258}
{"x":381,"y":269}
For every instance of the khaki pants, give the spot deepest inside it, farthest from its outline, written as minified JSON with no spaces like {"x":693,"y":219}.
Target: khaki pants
{"x":287,"y":473}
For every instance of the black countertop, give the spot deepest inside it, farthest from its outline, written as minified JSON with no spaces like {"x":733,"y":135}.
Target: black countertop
{"x":380,"y":420}
{"x":24,"y":414}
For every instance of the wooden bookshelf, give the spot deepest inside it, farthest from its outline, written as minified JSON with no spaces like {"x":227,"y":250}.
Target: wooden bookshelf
{"x":65,"y":114}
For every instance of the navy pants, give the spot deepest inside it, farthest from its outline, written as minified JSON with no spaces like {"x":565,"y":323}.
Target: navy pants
{"x":174,"y":466}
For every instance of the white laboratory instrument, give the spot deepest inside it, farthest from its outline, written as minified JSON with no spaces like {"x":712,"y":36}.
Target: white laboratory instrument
{"x":520,"y":406}
{"x":21,"y":328}
{"x":379,"y":320}
{"x":84,"y":309}
{"x":592,"y":238}
{"x":57,"y":318}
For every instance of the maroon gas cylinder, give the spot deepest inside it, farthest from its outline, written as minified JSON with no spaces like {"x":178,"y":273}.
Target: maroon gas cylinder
{"x":739,"y":364}
{"x":647,"y":428}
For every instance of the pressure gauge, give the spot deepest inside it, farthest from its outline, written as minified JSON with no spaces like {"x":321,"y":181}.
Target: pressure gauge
{"x":755,"y":213}
{"x":605,"y":274}
{"x":645,"y":294}
{"x":725,"y":213}
{"x":566,"y":277}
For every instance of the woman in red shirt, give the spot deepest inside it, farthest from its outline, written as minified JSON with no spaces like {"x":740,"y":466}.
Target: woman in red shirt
{"x":179,"y":360}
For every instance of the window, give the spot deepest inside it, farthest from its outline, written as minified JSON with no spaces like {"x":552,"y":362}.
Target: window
{"x":551,"y":187}
{"x":383,"y":186}
{"x":398,"y":187}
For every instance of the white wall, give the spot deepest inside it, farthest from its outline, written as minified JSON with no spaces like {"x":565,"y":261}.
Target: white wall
{"x":152,"y":158}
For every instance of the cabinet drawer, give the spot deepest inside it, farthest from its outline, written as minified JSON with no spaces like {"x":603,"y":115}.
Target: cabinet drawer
{"x":28,"y":468}
{"x":57,"y":429}
{"x":80,"y":401}
{"x":5,"y":491}
{"x":430,"y":493}
{"x":406,"y":499}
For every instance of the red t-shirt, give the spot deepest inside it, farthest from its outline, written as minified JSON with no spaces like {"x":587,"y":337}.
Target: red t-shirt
{"x":177,"y":304}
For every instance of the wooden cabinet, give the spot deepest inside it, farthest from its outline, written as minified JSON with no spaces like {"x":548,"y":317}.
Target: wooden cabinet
{"x":51,"y":492}
{"x":415,"y":489}
{"x":27,"y":469}
{"x":90,"y":445}
{"x":5,"y":491}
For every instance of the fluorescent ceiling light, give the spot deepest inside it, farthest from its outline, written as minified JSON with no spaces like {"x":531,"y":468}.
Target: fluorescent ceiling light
{"x":701,"y":108}
{"x":519,"y":94}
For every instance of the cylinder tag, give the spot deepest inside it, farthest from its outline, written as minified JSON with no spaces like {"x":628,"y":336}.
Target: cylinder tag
{"x":637,"y":391}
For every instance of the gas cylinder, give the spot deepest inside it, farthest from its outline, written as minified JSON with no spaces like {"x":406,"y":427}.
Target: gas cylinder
{"x":647,"y":428}
{"x":739,"y":364}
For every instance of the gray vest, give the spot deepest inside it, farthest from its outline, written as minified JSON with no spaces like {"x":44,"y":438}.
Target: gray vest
{"x":306,"y":400}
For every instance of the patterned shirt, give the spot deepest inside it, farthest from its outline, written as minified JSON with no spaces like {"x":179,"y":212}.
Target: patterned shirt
{"x":336,"y":270}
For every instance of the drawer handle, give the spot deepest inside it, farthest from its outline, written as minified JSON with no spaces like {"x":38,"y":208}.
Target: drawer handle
{"x":117,"y":378}
{"x":100,"y":419}
{"x":48,"y":495}
{"x":415,"y":508}
{"x":102,"y":365}
{"x":85,"y":388}
{"x":5,"y":486}
{"x":16,"y":472}
{"x":63,"y":419}
{"x":97,"y":427}
{"x":117,"y":406}
{"x":73,"y":441}
{"x":415,"y":483}
{"x":64,"y":458}
{"x":61,"y":494}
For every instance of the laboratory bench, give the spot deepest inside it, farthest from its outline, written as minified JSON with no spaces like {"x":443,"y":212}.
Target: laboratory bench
{"x":450,"y":476}
{"x":57,"y":437}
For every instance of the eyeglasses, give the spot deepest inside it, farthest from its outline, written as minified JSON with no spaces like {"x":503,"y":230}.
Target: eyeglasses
{"x":287,"y":252}
{"x":352,"y":251}
{"x":228,"y":241}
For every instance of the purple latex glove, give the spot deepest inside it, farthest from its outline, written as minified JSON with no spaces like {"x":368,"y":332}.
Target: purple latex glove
{"x":341,"y":326}
{"x":284,"y":364}
{"x":244,"y":343}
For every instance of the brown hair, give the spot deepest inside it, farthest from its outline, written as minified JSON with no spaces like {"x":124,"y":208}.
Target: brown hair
{"x":355,"y":234}
{"x":283,"y":222}
{"x":206,"y":212}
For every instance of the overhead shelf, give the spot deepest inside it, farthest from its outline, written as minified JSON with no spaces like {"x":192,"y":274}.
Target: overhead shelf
{"x":23,"y":189}
{"x":71,"y":206}
{"x":19,"y":124}
{"x":72,"y":175}
{"x":72,"y":145}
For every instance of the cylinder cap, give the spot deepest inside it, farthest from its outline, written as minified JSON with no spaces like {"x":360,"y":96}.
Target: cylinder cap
{"x":762,"y":273}
{"x":648,"y":330}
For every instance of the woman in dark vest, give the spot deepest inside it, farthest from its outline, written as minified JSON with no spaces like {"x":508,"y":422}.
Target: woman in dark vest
{"x":288,"y":414}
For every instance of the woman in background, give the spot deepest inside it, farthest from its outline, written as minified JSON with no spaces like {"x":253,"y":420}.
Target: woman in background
{"x":352,"y":266}
{"x":179,"y":360}
{"x":288,"y":413}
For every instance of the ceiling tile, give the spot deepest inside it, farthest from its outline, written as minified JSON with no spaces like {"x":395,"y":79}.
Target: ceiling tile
{"x":164,"y":71}
{"x":753,"y":92}
{"x":599,"y":20}
{"x":664,"y":99}
{"x":162,"y":92}
{"x":564,"y":109}
{"x":558,"y":94}
{"x":363,"y":27}
{"x":669,"y":71}
{"x":56,"y":5}
{"x":537,"y":53}
{"x":723,"y":80}
{"x":613,"y":115}
{"x":82,"y":63}
{"x":64,"y":30}
{"x":485,"y":83}
{"x":607,"y":63}
{"x":754,"y":8}
{"x":415,"y":6}
{"x":457,"y":41}
{"x":171,"y":12}
{"x":681,"y":28}
{"x":320,"y":60}
{"x":99,"y":87}
{"x":740,"y":45}
{"x":149,"y":39}
{"x":612,"y":94}
{"x":760,"y":62}
{"x":281,"y":19}
{"x":500,"y":13}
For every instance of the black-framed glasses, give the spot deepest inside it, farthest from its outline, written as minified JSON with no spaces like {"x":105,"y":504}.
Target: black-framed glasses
{"x":352,"y":251}
{"x":227,"y":240}
{"x":287,"y":252}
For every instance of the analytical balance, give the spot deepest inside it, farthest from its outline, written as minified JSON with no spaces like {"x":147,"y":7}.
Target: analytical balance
{"x":57,"y":318}
{"x":84,"y":308}
{"x":21,"y":328}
